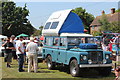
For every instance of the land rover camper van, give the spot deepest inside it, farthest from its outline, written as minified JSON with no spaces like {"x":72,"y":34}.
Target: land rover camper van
{"x":65,"y":43}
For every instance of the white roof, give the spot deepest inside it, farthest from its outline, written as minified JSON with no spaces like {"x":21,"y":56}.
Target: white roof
{"x":76,"y":34}
{"x":26,"y":41}
{"x":59,"y":16}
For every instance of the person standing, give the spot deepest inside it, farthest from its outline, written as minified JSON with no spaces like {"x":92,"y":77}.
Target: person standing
{"x":20,"y":53}
{"x":12,"y":40}
{"x":24,"y":46}
{"x":8,"y":51}
{"x":32,"y":49}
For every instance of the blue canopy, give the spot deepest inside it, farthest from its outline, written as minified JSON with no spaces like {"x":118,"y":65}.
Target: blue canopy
{"x":73,"y":24}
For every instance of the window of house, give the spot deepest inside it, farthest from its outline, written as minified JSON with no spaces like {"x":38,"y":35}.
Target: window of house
{"x":54,"y":25}
{"x":93,"y":27}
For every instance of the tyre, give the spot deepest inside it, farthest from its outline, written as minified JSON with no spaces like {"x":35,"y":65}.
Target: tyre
{"x":105,"y":71}
{"x":74,"y":68}
{"x":50,"y":64}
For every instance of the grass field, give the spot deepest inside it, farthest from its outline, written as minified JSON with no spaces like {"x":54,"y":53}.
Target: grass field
{"x":45,"y":74}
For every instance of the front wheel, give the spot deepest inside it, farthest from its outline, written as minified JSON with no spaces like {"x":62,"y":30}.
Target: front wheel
{"x":74,"y":68}
{"x":50,"y":64}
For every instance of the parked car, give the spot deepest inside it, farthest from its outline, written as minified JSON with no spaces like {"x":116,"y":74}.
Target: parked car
{"x":73,"y":52}
{"x":66,"y":44}
{"x":40,"y":48}
{"x":2,"y":51}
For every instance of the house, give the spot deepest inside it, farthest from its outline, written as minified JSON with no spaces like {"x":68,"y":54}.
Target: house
{"x":112,"y":17}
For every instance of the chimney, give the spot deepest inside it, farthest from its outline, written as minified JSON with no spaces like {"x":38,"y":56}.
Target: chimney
{"x":112,"y":10}
{"x":103,"y":12}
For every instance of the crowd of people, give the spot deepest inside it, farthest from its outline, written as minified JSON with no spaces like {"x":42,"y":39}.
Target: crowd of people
{"x":17,"y":49}
{"x":107,"y":45}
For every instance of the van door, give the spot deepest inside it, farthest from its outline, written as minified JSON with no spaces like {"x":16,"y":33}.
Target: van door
{"x":62,"y":50}
{"x":62,"y":56}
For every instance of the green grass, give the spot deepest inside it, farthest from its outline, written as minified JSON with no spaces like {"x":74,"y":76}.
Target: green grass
{"x":44,"y":73}
{"x":0,"y":68}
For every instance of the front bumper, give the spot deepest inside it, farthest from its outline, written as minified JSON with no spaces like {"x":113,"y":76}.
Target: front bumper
{"x":94,"y":65}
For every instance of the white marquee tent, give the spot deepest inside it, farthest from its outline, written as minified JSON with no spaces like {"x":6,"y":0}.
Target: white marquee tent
{"x":1,"y":36}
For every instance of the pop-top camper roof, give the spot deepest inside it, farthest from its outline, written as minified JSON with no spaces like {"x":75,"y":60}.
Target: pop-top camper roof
{"x":63,"y":22}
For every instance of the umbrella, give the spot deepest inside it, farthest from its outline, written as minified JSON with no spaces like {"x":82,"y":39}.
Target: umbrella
{"x":24,"y":35}
{"x":42,"y":38}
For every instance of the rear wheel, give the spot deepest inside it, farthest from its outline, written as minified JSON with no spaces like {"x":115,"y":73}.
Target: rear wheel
{"x":50,"y":64}
{"x":74,"y":68}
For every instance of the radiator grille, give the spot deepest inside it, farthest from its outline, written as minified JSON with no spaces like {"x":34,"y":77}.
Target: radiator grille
{"x":96,"y":57}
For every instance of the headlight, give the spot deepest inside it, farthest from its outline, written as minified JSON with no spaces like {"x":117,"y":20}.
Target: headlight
{"x":104,"y":61}
{"x":90,"y":61}
{"x":84,"y":57}
{"x":107,"y":56}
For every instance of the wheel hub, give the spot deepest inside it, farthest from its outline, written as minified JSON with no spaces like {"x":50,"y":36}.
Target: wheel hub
{"x":74,"y":70}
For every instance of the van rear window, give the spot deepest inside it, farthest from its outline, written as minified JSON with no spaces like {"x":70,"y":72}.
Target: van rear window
{"x":47,"y":25}
{"x":54,"y":25}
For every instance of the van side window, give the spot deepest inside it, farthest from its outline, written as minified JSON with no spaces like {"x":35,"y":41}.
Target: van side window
{"x":54,"y":25}
{"x":48,"y":41}
{"x":47,"y":25}
{"x":73,"y":41}
{"x":63,"y":41}
{"x":55,"y":42}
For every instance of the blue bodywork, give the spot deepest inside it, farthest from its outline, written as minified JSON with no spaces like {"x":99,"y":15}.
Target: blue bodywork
{"x":65,"y":54}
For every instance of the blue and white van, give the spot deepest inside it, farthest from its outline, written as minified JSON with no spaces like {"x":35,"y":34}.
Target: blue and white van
{"x":66,"y":44}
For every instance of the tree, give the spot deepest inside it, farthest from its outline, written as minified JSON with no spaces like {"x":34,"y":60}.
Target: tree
{"x":38,"y":32}
{"x":118,"y":10}
{"x":115,"y":27}
{"x":105,"y":25}
{"x":0,"y":12}
{"x":97,"y":33}
{"x":41,"y":28}
{"x":14,"y":20}
{"x":86,"y":17}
